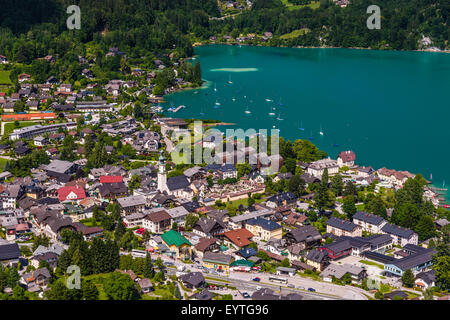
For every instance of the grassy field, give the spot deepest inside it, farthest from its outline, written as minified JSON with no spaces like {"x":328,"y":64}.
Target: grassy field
{"x":370,"y":263}
{"x":4,"y":77}
{"x":295,"y":33}
{"x":9,"y":127}
{"x":2,"y":164}
{"x":313,"y":5}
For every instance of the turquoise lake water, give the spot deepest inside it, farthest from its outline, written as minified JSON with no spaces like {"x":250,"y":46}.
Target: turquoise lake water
{"x":391,"y":108}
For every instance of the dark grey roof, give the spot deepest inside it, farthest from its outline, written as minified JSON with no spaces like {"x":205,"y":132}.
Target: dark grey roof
{"x":339,"y":245}
{"x":266,"y":224}
{"x":9,"y":251}
{"x":398,"y":293}
{"x":219,"y":257}
{"x":112,"y":188}
{"x":368,"y":218}
{"x":203,"y":295}
{"x":341,"y":224}
{"x":207,"y":224}
{"x":415,"y":259}
{"x":305,"y":233}
{"x":178,"y":182}
{"x":285,"y":196}
{"x":397,"y":231}
{"x":377,"y":239}
{"x":429,"y":277}
{"x":317,"y":256}
{"x":193,"y":278}
{"x":378,"y":257}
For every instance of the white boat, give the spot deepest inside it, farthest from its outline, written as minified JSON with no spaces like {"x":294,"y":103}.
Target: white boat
{"x":279,"y":119}
{"x":234,"y":99}
{"x":215,"y":88}
{"x":229,"y":81}
{"x":268,"y":100}
{"x":271,"y":113}
{"x":247,"y":111}
{"x":321,"y":132}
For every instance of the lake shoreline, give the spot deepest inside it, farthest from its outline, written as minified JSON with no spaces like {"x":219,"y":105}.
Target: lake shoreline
{"x":198,"y":44}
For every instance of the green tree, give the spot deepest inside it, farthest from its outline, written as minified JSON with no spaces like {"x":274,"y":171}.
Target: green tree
{"x":296,"y":185}
{"x":89,"y":290}
{"x":337,"y":185}
{"x":425,"y":228}
{"x":148,"y":267}
{"x":428,"y":294}
{"x":408,"y":278}
{"x":119,"y":286}
{"x":349,"y":206}
{"x":191,"y":220}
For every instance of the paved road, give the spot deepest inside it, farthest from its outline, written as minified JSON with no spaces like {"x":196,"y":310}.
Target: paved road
{"x":324,"y":290}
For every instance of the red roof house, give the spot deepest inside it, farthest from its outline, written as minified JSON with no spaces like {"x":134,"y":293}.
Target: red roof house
{"x":71,"y":193}
{"x":110,"y":179}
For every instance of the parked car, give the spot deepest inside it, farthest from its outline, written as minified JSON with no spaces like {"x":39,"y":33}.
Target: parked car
{"x":312,"y":289}
{"x":245,"y":295}
{"x":301,"y":288}
{"x":290,"y":285}
{"x":257,"y":279}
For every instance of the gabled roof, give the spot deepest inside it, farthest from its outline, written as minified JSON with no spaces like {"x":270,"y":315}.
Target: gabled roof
{"x":341,"y":224}
{"x":217,"y":257}
{"x":178,"y":182}
{"x":158,"y":216}
{"x":240,"y":237}
{"x":172,"y":237}
{"x":305,"y":233}
{"x":368,"y":218}
{"x":111,"y":179}
{"x":266,"y":224}
{"x":64,"y":192}
{"x":397,"y":231}
{"x":9,"y":251}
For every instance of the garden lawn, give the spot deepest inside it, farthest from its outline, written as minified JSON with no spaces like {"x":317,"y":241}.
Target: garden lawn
{"x":370,"y":263}
{"x":313,"y":5}
{"x":9,"y":127}
{"x":2,"y":164}
{"x":4,"y":77}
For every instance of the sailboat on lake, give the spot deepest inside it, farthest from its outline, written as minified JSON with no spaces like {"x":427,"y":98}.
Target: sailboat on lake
{"x":301,"y":126}
{"x":247,"y":111}
{"x":229,"y":80}
{"x":278,"y":118}
{"x":321,"y":132}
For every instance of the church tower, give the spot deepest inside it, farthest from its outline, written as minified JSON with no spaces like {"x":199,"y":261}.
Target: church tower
{"x":162,"y":176}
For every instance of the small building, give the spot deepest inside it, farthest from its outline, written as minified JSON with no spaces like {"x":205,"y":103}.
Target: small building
{"x":339,"y":270}
{"x":193,"y":280}
{"x":145,"y":285}
{"x":217,"y":261}
{"x":178,"y":245}
{"x":286,"y":271}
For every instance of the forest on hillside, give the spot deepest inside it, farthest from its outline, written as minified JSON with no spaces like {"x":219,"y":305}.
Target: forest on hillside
{"x":30,"y":29}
